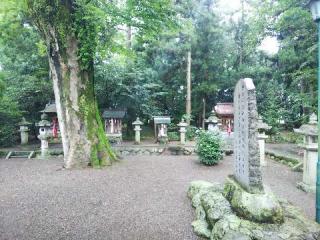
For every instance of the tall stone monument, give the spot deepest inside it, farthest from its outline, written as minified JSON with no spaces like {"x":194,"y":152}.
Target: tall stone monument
{"x":246,"y":150}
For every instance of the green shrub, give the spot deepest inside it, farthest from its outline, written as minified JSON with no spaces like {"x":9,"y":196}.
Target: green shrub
{"x":191,"y":133}
{"x":173,"y":136}
{"x":209,"y":147}
{"x":9,"y":118}
{"x":286,"y":137}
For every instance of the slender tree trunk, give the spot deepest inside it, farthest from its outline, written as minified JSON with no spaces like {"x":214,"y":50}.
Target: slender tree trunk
{"x":242,"y":33}
{"x":188,"y":100}
{"x":203,"y":113}
{"x":129,"y":37}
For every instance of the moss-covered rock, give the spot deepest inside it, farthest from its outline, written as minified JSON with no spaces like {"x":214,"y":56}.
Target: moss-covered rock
{"x":216,"y":220}
{"x":263,"y":208}
{"x":201,"y":228}
{"x":215,"y":206}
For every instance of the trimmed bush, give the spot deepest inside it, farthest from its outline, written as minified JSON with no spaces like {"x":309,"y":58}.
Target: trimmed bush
{"x":209,"y":147}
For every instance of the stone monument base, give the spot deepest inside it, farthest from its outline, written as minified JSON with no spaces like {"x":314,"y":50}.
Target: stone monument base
{"x":306,"y":187}
{"x":258,"y":207}
{"x":217,"y":219}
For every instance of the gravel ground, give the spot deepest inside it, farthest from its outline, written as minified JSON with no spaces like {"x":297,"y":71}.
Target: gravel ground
{"x":285,"y":150}
{"x":140,"y":197}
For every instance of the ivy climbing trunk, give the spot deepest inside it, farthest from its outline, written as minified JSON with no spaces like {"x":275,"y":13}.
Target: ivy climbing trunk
{"x":83,"y":137}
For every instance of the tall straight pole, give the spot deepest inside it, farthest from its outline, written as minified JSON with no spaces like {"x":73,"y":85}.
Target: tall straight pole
{"x":318,"y":163}
{"x":188,"y":102}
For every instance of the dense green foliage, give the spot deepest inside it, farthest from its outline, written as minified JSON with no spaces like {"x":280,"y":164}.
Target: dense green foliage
{"x":140,"y":59}
{"x":209,"y":147}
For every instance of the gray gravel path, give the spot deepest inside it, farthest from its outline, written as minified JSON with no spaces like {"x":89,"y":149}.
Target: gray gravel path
{"x":141,"y":197}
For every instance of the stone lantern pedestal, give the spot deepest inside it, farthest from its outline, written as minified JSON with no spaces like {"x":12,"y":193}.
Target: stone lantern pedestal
{"x":44,"y":134}
{"x":310,"y":147}
{"x":262,"y":127}
{"x":24,"y":131}
{"x":137,"y":128}
{"x":183,"y":129}
{"x":212,"y":122}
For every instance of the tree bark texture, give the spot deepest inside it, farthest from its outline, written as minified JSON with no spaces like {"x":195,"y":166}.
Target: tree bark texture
{"x":83,"y":137}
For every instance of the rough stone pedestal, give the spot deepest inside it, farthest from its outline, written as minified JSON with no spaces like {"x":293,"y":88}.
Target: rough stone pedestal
{"x":261,"y":207}
{"x":215,"y":218}
{"x":44,"y":148}
{"x":310,"y":147}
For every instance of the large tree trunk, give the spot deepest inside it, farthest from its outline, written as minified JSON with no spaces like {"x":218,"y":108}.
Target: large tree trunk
{"x":69,"y":29}
{"x":83,"y":136}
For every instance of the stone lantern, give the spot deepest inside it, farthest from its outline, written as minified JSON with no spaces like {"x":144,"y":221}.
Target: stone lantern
{"x":310,"y":156}
{"x":24,"y":131}
{"x":212,"y":122}
{"x":262,"y":128}
{"x":183,"y":129}
{"x":44,"y":134}
{"x":137,"y":128}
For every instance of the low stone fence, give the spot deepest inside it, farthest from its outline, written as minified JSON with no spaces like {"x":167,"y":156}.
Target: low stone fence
{"x":154,"y":150}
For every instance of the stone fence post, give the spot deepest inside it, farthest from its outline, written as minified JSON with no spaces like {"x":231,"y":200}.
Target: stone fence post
{"x":310,"y":158}
{"x":262,"y":127}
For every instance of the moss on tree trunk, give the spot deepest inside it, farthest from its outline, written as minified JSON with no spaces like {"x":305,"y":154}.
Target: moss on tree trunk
{"x":70,"y":52}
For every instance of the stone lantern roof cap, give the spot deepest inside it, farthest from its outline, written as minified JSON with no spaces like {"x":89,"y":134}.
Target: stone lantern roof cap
{"x":137,"y":122}
{"x":44,"y":121}
{"x":262,"y":125}
{"x":182,"y":123}
{"x":213,"y":118}
{"x":24,"y":122}
{"x":310,"y":129}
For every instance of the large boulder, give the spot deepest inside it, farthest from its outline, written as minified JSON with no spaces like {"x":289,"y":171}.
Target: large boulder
{"x":262,"y":207}
{"x":215,"y":218}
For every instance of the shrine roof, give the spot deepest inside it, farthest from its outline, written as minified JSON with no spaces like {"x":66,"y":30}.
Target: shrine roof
{"x":114,"y":114}
{"x":224,"y":109}
{"x":50,"y":108}
{"x":162,"y":120}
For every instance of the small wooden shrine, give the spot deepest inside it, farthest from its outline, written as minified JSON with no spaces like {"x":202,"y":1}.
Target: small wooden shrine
{"x":113,"y":123}
{"x":225,"y":112}
{"x":161,"y":128}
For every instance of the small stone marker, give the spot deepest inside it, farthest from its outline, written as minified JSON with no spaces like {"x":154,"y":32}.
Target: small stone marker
{"x":24,"y":131}
{"x":246,"y":150}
